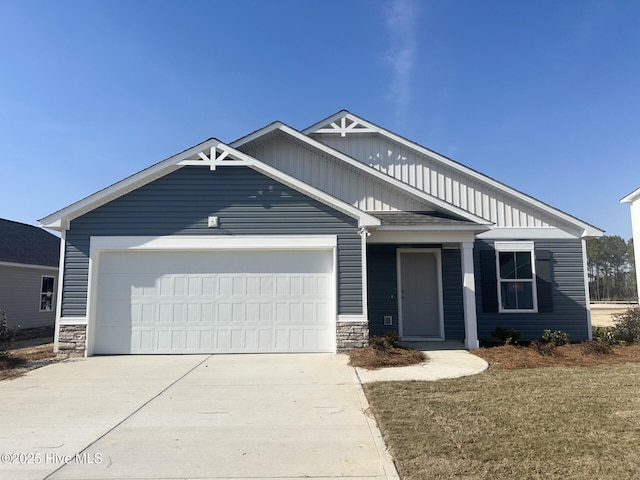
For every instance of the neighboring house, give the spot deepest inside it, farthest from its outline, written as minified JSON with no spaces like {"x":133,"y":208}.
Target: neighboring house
{"x":634,"y":200}
{"x":29,"y":258}
{"x":310,"y":241}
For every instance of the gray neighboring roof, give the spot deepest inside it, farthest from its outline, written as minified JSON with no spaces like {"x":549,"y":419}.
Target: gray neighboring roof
{"x":415,"y":219}
{"x":22,"y":243}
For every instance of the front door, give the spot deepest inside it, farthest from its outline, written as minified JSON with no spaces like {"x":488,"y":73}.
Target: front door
{"x":420,"y":294}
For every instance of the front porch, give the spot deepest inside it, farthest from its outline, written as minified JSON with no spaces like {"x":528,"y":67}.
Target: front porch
{"x":420,"y":278}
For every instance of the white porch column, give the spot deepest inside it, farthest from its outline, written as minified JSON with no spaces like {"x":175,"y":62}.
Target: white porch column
{"x":469,"y":296}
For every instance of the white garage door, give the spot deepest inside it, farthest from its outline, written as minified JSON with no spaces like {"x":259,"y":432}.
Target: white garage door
{"x":214,"y":302}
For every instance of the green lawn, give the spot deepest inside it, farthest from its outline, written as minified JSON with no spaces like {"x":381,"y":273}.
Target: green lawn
{"x":556,"y":422}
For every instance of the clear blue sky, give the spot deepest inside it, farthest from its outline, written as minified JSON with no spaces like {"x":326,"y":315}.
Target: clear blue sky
{"x":541,"y":95}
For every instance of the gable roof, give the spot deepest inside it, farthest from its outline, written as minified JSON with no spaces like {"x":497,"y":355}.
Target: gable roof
{"x":26,"y":244}
{"x":279,"y":127}
{"x":211,"y":153}
{"x":345,"y":123}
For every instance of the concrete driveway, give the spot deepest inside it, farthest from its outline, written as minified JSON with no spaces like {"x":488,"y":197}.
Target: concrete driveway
{"x":199,"y":417}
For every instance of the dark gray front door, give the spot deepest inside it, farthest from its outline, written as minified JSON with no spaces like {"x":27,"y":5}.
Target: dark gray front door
{"x":419,"y":295}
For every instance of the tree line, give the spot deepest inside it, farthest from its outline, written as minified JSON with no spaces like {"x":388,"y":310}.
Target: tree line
{"x":611,"y":267}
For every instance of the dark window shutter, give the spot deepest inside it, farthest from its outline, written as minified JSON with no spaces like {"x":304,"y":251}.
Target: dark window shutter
{"x":544,"y":281}
{"x":489,"y":281}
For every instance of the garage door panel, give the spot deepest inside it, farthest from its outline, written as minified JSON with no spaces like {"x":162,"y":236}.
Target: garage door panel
{"x":195,"y":302}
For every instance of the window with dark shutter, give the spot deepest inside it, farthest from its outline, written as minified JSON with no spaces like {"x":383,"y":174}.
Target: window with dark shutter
{"x":544,"y":281}
{"x":488,"y":280}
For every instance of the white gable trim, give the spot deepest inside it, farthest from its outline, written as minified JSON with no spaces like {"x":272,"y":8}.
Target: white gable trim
{"x":212,"y":154}
{"x":436,"y":202}
{"x":321,"y":127}
{"x":632,"y":197}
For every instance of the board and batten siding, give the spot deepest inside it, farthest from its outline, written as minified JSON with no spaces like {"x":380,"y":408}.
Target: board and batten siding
{"x":20,"y":290}
{"x":569,"y":301}
{"x":382,"y":273}
{"x":246,"y":203}
{"x":333,"y":176}
{"x":433,"y":177}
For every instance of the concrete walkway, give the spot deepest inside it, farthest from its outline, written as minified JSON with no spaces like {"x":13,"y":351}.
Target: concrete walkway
{"x":191,"y":416}
{"x":446,"y":360}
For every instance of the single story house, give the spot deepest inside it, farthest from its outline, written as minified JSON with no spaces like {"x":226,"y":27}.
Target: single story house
{"x":29,"y":258}
{"x":633,"y":199}
{"x":311,"y":241}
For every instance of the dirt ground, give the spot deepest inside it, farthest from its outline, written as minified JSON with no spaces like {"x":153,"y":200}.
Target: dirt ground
{"x":601,"y":313}
{"x":20,"y":360}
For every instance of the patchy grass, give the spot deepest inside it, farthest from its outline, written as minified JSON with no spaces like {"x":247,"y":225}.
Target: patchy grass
{"x":19,"y":361}
{"x":539,"y":423}
{"x":509,"y":357}
{"x":373,"y":358}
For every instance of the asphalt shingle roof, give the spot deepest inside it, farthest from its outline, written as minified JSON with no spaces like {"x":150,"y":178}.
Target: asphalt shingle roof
{"x":419,"y":219}
{"x":22,"y":243}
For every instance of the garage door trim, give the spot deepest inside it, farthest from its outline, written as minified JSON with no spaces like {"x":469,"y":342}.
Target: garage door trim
{"x":99,"y":244}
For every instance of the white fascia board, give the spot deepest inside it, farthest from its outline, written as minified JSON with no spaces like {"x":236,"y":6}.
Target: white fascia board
{"x":28,"y":265}
{"x":215,"y":242}
{"x":632,"y":197}
{"x":589,"y":230}
{"x":364,"y":168}
{"x":440,"y":236}
{"x":526,"y":233}
{"x":433,"y":228}
{"x":60,"y":220}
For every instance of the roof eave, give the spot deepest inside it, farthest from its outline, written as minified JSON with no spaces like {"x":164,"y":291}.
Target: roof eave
{"x":632,"y":197}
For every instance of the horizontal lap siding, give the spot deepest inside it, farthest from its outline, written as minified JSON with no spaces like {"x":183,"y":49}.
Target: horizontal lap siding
{"x":20,"y":297}
{"x":246,"y":203}
{"x":569,"y":300}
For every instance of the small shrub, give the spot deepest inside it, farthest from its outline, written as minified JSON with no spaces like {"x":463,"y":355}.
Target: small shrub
{"x":605,"y":335}
{"x":382,"y":344}
{"x":556,"y":337}
{"x":392,"y":339}
{"x":546,"y":349}
{"x":506,"y":336}
{"x":6,"y":335}
{"x":377,"y":343}
{"x":627,"y":325}
{"x":596,"y":348}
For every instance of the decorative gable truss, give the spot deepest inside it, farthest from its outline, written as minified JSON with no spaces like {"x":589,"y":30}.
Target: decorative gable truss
{"x":216,"y":156}
{"x":346,"y":125}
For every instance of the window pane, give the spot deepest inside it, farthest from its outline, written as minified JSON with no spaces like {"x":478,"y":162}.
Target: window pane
{"x":47,"y":284}
{"x":509,"y":296}
{"x":525,"y":296}
{"x":523,"y":265}
{"x":517,"y":295}
{"x":507,"y":265}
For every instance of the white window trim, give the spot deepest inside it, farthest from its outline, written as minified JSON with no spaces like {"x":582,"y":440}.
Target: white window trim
{"x":53,"y":294}
{"x":517,"y":247}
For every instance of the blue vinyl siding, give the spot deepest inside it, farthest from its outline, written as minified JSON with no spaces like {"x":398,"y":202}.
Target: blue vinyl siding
{"x":382,"y":274}
{"x":569,"y":300}
{"x":246,"y":203}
